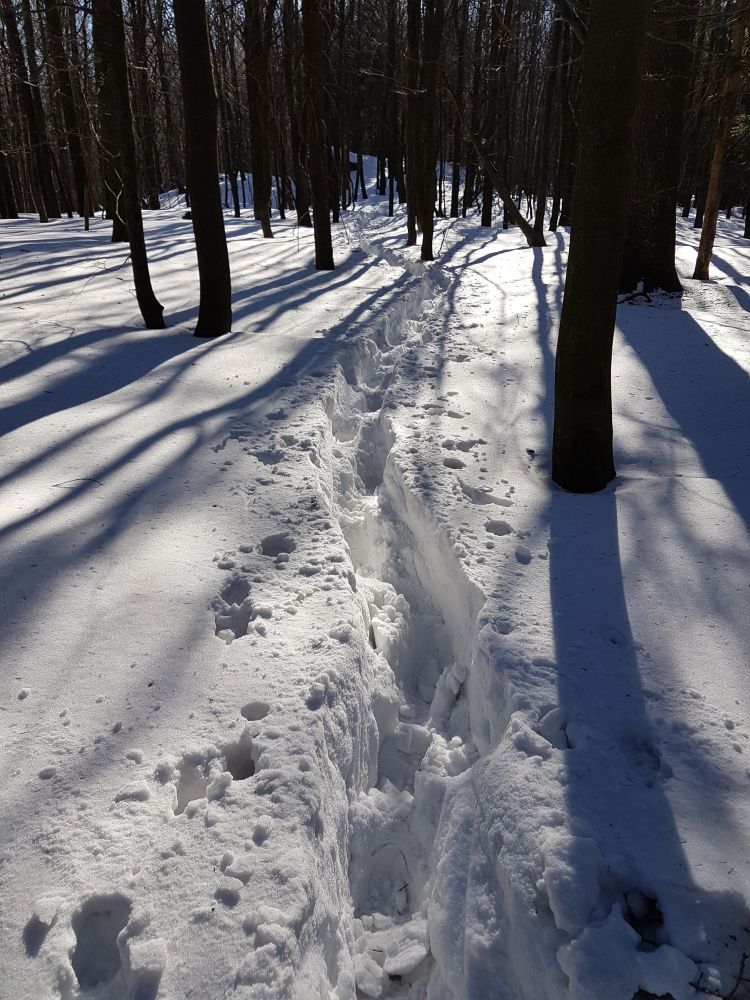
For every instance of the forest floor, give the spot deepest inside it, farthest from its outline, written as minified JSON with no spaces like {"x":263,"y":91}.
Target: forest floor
{"x":312,"y":685}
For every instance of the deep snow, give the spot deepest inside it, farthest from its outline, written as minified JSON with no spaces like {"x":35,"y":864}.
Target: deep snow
{"x":312,"y":685}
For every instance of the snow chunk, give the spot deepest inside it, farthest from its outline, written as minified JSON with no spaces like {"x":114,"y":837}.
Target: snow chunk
{"x":135,"y":791}
{"x":604,"y":961}
{"x":571,"y":880}
{"x":146,"y":961}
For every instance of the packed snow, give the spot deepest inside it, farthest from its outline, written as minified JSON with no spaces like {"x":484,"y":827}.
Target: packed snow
{"x":313,"y":685}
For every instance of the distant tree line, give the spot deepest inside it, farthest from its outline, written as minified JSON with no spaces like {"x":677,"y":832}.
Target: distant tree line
{"x":470,"y":103}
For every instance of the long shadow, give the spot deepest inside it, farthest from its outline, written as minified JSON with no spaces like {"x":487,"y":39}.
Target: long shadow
{"x":616,"y":775}
{"x":706,"y":392}
{"x":123,"y":362}
{"x":302,"y":370}
{"x":63,"y":536}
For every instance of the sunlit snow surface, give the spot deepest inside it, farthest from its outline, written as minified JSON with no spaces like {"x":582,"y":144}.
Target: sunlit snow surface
{"x":312,"y":686}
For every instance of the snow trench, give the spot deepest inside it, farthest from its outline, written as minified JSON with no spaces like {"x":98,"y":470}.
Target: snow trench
{"x":419,"y":611}
{"x":467,"y":875}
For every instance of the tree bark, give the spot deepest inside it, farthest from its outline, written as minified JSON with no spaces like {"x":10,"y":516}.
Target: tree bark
{"x":650,"y":246}
{"x":67,"y":102}
{"x":428,"y":98}
{"x":258,"y":38}
{"x":202,"y":167}
{"x":727,"y":106}
{"x":317,"y":138}
{"x":582,"y":457}
{"x":109,"y":45}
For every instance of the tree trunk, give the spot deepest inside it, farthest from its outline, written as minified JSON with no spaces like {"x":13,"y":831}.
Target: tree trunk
{"x":582,"y":458}
{"x":727,"y":106}
{"x":301,"y":197}
{"x":202,"y":167}
{"x":317,"y":139}
{"x":258,"y":38}
{"x":41,"y":180}
{"x":109,"y":45}
{"x":428,"y":98}
{"x":413,"y":17}
{"x":650,"y":246}
{"x":67,"y":102}
{"x":545,"y":129}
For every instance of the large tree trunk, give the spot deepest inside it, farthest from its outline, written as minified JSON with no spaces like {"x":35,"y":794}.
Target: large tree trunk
{"x":109,"y":46}
{"x":582,"y":459}
{"x":650,"y":245}
{"x":727,"y":106}
{"x":202,"y":167}
{"x":317,"y":138}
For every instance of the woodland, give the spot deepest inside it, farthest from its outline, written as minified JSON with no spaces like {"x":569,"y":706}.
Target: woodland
{"x":374,"y":499}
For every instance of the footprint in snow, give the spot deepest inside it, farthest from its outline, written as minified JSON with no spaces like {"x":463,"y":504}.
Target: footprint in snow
{"x":270,"y":456}
{"x":209,"y":774}
{"x":96,"y":924}
{"x":233,"y":609}
{"x":497,"y":527}
{"x":482,"y":495}
{"x":278,"y":543}
{"x":451,"y":444}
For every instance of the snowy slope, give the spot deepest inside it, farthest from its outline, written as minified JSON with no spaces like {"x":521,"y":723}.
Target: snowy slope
{"x":313,"y":686}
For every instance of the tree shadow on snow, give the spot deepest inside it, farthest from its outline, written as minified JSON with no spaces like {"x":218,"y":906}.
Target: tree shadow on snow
{"x":617,"y":772}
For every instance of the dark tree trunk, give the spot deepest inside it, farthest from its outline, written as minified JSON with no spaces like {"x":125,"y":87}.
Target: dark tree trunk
{"x":41,"y":180}
{"x":434,"y":14}
{"x":582,"y":458}
{"x":301,"y":196}
{"x":173,"y":157}
{"x":145,"y":130}
{"x":202,"y":167}
{"x":67,"y":102}
{"x":109,"y":44}
{"x":545,"y":128}
{"x":490,"y":130}
{"x":650,"y":246}
{"x":462,"y":24}
{"x":727,"y":106}
{"x":317,"y":139}
{"x":109,"y":146}
{"x":412,"y":119}
{"x":258,"y":41}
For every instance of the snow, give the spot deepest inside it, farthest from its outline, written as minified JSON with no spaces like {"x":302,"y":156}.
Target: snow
{"x":313,"y":685}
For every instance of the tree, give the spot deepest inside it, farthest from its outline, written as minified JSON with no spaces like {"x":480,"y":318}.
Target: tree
{"x":582,"y":458}
{"x":258,"y":38}
{"x":427,"y":110}
{"x":109,"y":44}
{"x":202,"y":167}
{"x":649,"y":257}
{"x":727,"y":105}
{"x":317,"y":139}
{"x":44,"y":193}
